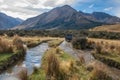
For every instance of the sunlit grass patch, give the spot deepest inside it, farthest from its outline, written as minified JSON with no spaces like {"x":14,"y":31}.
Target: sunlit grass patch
{"x":55,"y":42}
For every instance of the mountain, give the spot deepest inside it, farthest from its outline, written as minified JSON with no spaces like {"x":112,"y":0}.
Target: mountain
{"x":109,"y":28}
{"x":7,"y":22}
{"x":101,"y":17}
{"x":64,"y":17}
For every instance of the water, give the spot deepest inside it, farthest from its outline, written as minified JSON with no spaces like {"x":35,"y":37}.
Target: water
{"x":32,"y":59}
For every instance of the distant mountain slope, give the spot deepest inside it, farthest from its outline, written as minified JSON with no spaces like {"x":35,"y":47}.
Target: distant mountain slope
{"x":64,"y":17}
{"x":101,"y":17}
{"x":7,"y":22}
{"x":109,"y":28}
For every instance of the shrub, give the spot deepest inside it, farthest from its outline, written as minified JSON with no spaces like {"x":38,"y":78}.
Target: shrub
{"x":79,"y":43}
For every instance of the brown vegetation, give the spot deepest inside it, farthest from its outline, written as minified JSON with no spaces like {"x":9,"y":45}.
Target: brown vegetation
{"x":108,"y":28}
{"x":107,"y":51}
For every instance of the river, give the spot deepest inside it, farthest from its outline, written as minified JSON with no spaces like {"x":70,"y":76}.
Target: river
{"x":32,"y":59}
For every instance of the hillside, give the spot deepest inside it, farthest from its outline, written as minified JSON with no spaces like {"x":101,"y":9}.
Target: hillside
{"x":109,"y":28}
{"x":7,"y":22}
{"x":66,"y":17}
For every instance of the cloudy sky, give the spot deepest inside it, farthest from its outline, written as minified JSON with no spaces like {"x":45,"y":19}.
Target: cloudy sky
{"x":28,"y":8}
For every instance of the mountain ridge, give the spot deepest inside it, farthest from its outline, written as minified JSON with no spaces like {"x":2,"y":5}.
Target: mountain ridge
{"x":7,"y":22}
{"x":66,"y":17}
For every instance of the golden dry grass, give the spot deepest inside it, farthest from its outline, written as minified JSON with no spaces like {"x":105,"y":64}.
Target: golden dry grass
{"x":55,"y":42}
{"x":36,"y":38}
{"x":109,"y":42}
{"x":6,"y":43}
{"x":106,"y":46}
{"x":108,"y":28}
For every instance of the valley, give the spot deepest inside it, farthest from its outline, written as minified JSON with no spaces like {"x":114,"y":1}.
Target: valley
{"x":59,"y":40}
{"x":54,"y":58}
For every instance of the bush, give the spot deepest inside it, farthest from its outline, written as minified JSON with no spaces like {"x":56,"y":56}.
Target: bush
{"x":79,"y":43}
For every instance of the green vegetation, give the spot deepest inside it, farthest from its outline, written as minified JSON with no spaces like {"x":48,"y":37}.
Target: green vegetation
{"x":62,"y":33}
{"x":11,"y":50}
{"x":109,"y":60}
{"x":58,"y":65}
{"x":108,"y":53}
{"x":4,"y":57}
{"x":80,"y":43}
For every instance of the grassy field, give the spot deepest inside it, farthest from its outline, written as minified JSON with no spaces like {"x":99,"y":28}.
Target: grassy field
{"x":58,"y":65}
{"x":108,"y":28}
{"x":55,"y":42}
{"x":110,"y":42}
{"x":107,"y":51}
{"x":34,"y":41}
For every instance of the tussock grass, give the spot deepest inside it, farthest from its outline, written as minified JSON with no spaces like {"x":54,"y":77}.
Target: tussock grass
{"x":34,"y":41}
{"x":107,"y":51}
{"x":10,"y":45}
{"x":99,"y":75}
{"x":55,"y":42}
{"x":103,"y":46}
{"x":58,"y":65}
{"x":18,"y":43}
{"x":5,"y":46}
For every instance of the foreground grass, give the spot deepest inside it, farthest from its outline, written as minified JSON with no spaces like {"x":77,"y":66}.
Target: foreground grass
{"x":4,"y":57}
{"x":67,"y":68}
{"x":107,"y":51}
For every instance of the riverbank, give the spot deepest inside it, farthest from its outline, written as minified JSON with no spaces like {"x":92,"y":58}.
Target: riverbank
{"x":11,"y":50}
{"x":35,"y":41}
{"x":59,"y":65}
{"x":10,"y":60}
{"x":32,"y":57}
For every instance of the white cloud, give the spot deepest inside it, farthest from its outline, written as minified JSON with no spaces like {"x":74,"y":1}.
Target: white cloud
{"x":20,"y":4}
{"x":108,"y":9}
{"x":28,"y":8}
{"x":91,"y":6}
{"x":4,"y":6}
{"x":1,"y":1}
